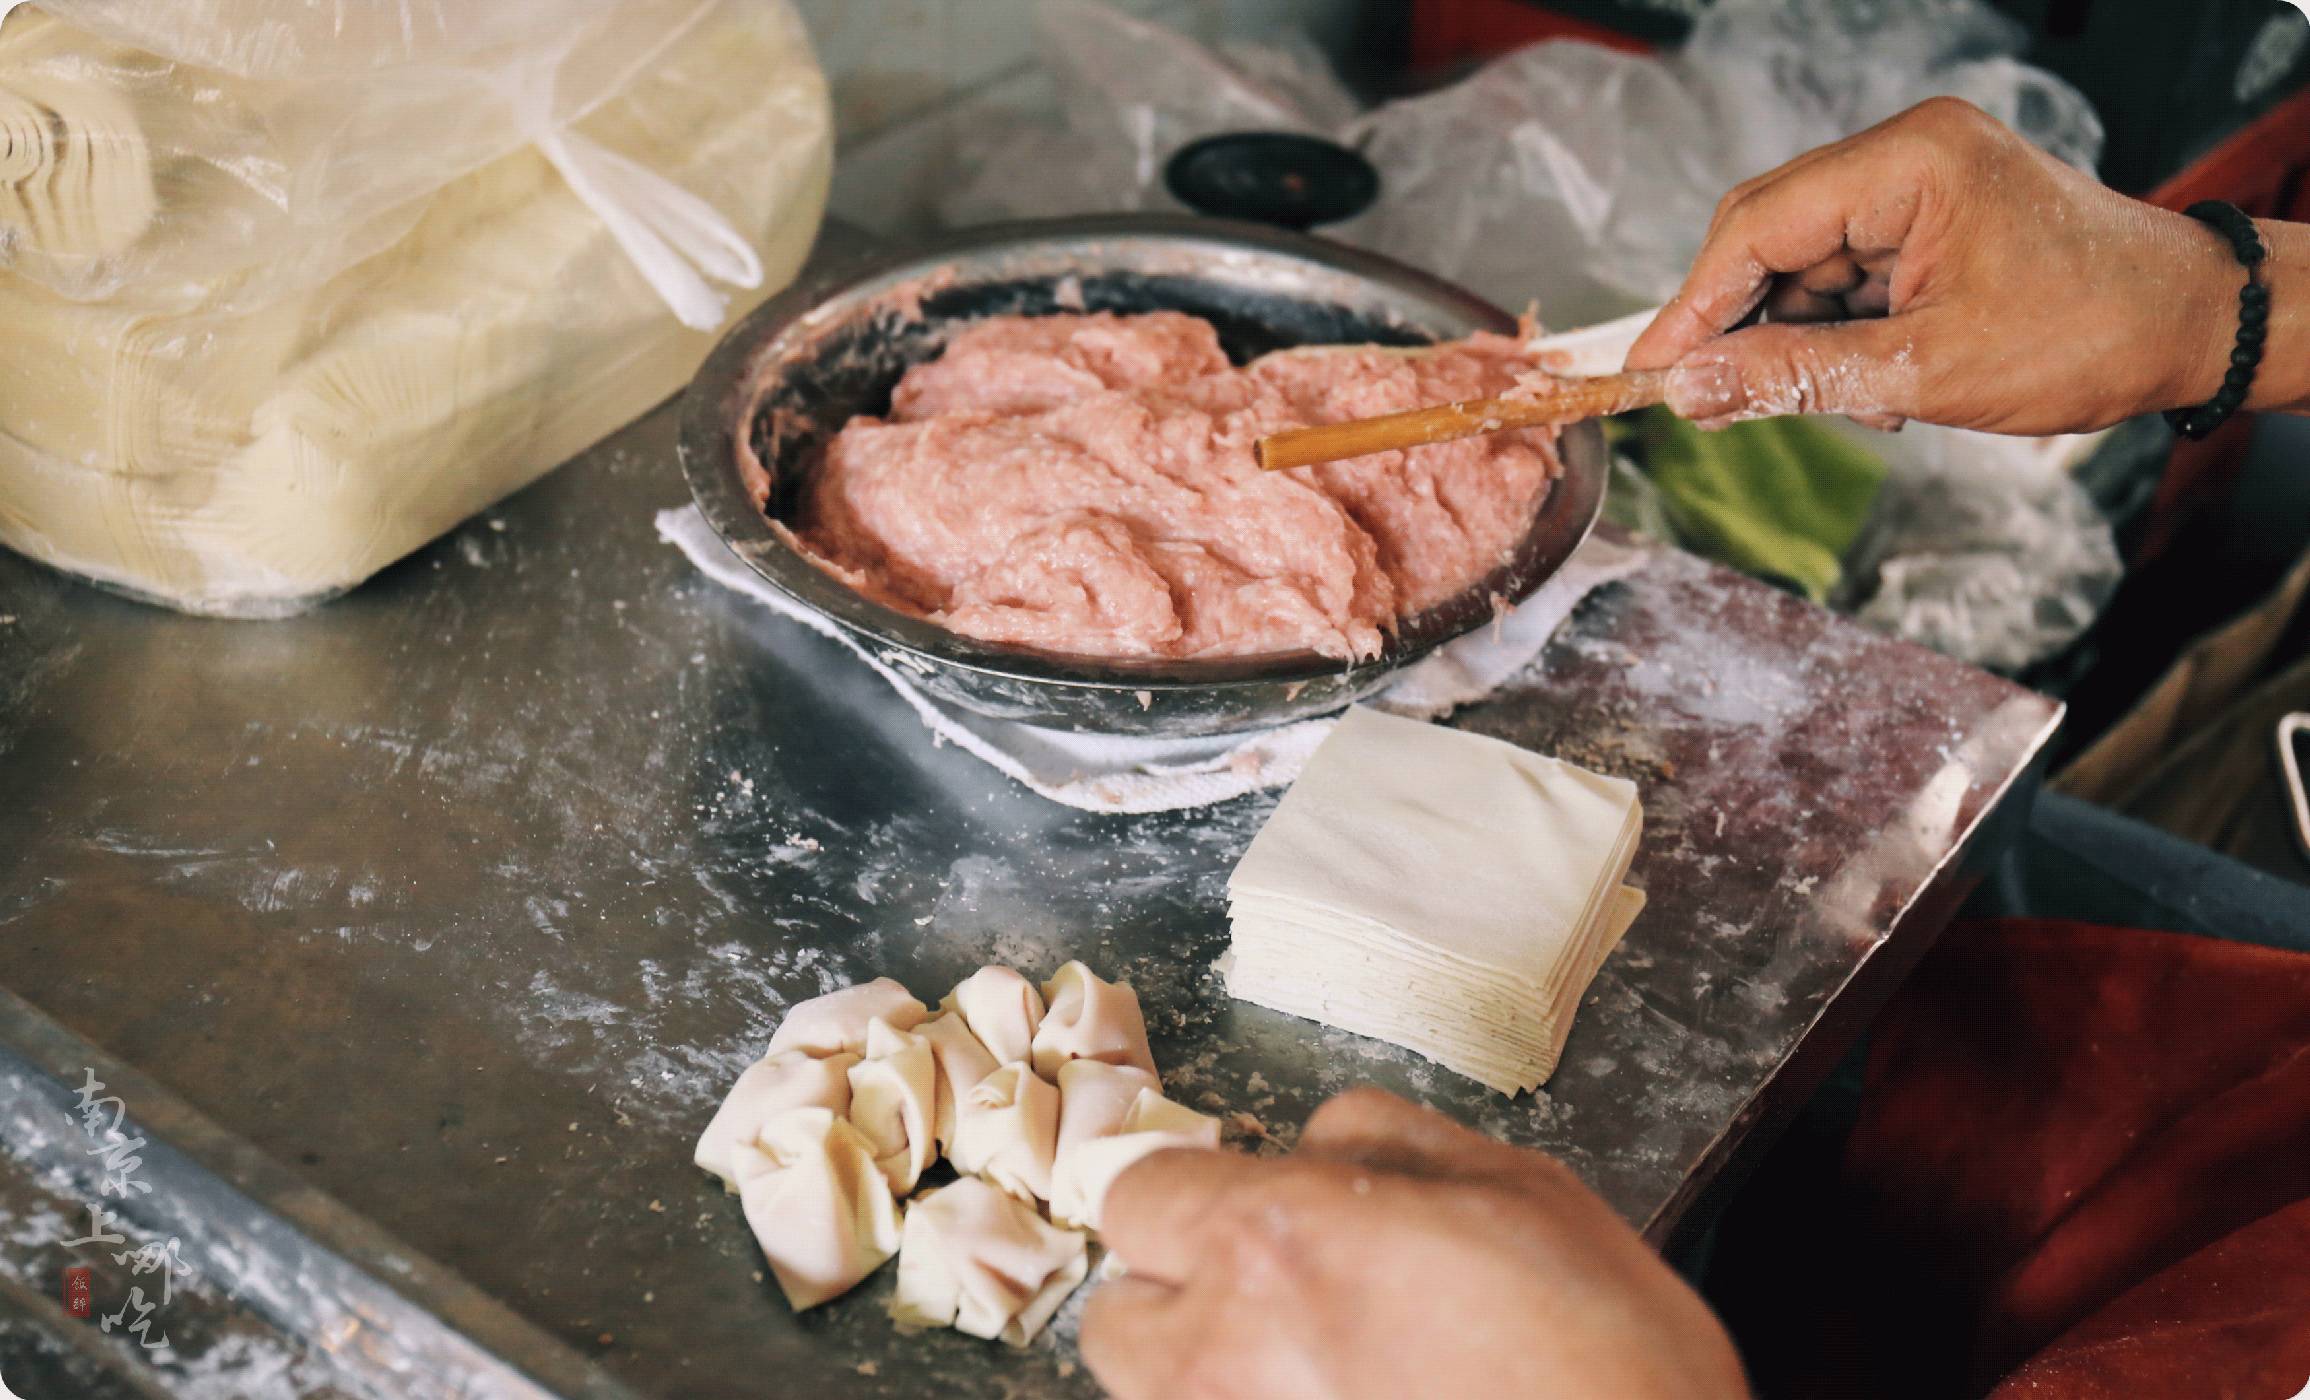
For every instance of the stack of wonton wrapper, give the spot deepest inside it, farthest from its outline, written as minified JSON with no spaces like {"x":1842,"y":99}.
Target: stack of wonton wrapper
{"x":1438,"y":890}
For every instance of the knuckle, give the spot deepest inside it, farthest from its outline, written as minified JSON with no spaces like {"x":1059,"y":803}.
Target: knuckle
{"x":1747,"y":222}
{"x":1807,"y":377}
{"x":1840,"y":373}
{"x":1784,"y":377}
{"x":1358,"y":1105}
{"x":1539,"y":1175}
{"x":1951,"y":112}
{"x":1952,"y":127}
{"x":1270,"y":1236}
{"x":1268,"y":1265}
{"x":1357,"y":1119}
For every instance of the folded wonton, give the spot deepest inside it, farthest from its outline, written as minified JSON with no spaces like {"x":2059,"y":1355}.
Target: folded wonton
{"x":862,"y":1090}
{"x":962,"y":1063}
{"x":1007,"y":1130}
{"x":837,"y":1022}
{"x":981,"y":1262}
{"x":1090,"y":1019}
{"x":894,"y":1103}
{"x":769,"y":1087}
{"x":1093,"y":1098}
{"x":820,"y":1208}
{"x":1002,"y":1009}
{"x":1086,"y":1167}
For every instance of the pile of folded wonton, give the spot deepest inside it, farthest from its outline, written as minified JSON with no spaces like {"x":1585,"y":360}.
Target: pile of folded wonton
{"x":1039,"y":1097}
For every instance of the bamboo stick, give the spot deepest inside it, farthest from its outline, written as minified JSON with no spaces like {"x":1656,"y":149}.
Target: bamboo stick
{"x":1574,"y":400}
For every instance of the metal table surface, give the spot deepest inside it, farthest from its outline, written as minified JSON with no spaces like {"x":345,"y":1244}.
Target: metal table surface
{"x":422,"y":933}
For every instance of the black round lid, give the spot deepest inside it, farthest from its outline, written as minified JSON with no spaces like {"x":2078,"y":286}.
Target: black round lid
{"x":1272,"y":177}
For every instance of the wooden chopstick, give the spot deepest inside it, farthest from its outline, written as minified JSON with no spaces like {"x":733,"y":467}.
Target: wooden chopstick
{"x":1577,"y":399}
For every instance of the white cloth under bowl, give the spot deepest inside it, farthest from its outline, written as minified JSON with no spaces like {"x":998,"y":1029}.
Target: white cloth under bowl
{"x":1124,"y":773}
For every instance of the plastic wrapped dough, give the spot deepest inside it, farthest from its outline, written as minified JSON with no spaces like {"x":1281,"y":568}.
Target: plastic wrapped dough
{"x":76,"y":183}
{"x":272,"y":175}
{"x":270,"y":330}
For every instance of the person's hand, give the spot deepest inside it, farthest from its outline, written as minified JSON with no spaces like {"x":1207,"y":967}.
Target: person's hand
{"x":1941,"y":268}
{"x":1396,"y":1254}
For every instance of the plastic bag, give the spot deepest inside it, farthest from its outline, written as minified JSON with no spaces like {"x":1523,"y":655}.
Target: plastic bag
{"x":1613,"y":162}
{"x":1131,"y":93}
{"x":1582,"y":178}
{"x":280,"y":174}
{"x":1986,"y":549}
{"x":289,"y":295}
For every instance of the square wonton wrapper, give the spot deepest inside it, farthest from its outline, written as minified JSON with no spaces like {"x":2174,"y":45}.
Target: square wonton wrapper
{"x":1462,"y":1028}
{"x":1439,"y":890}
{"x":1466,"y":846}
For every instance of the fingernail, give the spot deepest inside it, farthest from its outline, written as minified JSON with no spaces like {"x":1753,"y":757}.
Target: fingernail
{"x":1711,"y":389}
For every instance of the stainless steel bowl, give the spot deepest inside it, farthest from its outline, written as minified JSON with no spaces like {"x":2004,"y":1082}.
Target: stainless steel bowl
{"x":830,"y":347}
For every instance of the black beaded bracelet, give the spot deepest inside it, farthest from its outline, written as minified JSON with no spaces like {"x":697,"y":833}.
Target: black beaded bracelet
{"x":2253,"y":321}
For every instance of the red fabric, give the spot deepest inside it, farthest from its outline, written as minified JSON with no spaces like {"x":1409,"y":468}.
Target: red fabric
{"x":2053,"y":1114}
{"x":1447,"y":32}
{"x":2232,"y":1322}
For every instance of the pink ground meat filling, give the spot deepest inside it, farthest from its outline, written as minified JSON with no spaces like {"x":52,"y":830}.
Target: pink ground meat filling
{"x":1085,"y":484}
